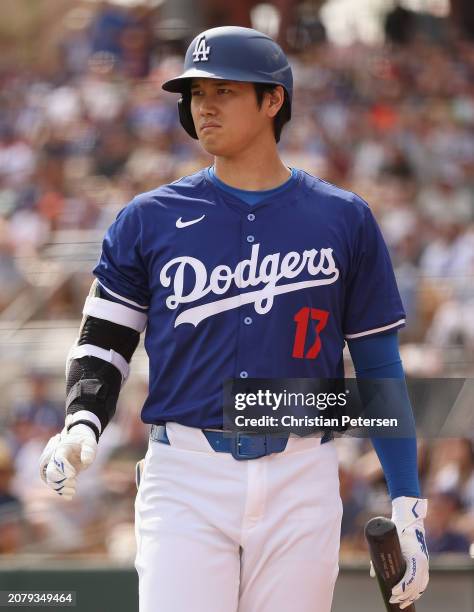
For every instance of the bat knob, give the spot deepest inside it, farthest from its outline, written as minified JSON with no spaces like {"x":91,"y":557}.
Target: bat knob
{"x":379,"y":527}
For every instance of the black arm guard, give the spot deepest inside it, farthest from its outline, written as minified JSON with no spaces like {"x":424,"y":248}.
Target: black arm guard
{"x":108,"y":335}
{"x":94,"y":384}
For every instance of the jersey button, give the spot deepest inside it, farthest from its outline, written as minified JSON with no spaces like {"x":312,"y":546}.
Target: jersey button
{"x":248,"y":321}
{"x":250,"y":238}
{"x":244,"y":374}
{"x":251,"y":217}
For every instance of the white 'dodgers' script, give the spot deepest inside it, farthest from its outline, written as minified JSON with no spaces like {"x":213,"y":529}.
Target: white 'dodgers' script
{"x":247,"y":273}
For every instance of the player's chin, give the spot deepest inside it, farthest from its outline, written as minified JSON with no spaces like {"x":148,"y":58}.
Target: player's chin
{"x":213,"y":145}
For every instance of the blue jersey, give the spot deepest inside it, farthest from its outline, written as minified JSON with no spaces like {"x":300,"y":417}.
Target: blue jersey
{"x":267,"y":291}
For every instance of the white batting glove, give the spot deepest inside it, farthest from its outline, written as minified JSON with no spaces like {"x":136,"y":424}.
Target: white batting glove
{"x":408,"y":514}
{"x":372,"y":573}
{"x":65,"y":455}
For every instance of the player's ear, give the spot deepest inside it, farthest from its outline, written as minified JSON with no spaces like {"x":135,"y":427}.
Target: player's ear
{"x":275,"y":99}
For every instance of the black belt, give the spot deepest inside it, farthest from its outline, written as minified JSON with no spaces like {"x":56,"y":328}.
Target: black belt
{"x":242,"y":446}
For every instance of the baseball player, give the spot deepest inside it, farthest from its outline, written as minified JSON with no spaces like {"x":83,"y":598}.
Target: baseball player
{"x":245,"y":269}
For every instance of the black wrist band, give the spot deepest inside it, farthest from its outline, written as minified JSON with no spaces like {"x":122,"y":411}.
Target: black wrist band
{"x":94,"y":427}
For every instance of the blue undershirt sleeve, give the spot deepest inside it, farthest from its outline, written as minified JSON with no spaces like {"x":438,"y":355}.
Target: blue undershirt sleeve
{"x":378,"y":357}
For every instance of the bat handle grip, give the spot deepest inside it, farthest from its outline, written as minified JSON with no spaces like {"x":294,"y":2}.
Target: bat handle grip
{"x":387,"y":558}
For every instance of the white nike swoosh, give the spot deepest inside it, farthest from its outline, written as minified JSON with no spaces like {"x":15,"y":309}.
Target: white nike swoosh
{"x":180,"y":223}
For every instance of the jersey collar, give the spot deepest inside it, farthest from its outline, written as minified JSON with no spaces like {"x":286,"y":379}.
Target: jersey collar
{"x":273,"y":200}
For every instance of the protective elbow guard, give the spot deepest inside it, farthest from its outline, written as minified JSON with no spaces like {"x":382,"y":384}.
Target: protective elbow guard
{"x":98,"y":363}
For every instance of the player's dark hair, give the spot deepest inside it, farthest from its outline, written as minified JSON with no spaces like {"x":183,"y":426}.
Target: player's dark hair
{"x":283,"y":115}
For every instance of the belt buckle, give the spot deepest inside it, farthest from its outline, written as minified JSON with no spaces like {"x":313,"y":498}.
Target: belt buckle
{"x":239,"y":453}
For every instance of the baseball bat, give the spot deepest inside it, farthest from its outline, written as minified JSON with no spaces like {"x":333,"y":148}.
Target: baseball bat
{"x":387,"y":558}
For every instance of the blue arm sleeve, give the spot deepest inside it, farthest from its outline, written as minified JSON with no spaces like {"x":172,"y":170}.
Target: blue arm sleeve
{"x":379,"y":357}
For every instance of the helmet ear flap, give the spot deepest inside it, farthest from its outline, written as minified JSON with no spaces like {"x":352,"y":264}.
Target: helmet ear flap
{"x":185,"y":117}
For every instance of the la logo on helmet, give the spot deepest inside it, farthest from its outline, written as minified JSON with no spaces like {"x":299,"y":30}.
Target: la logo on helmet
{"x":201,"y":50}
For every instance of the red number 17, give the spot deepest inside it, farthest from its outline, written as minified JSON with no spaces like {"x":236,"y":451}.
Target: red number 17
{"x":302,"y":318}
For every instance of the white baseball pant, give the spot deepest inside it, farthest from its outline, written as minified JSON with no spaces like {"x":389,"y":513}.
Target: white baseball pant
{"x":219,"y":535}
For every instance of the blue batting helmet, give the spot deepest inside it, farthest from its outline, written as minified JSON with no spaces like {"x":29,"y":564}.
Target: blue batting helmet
{"x":235,"y":54}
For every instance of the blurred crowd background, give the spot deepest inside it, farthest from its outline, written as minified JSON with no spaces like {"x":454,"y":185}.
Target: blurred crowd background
{"x":84,"y":126}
